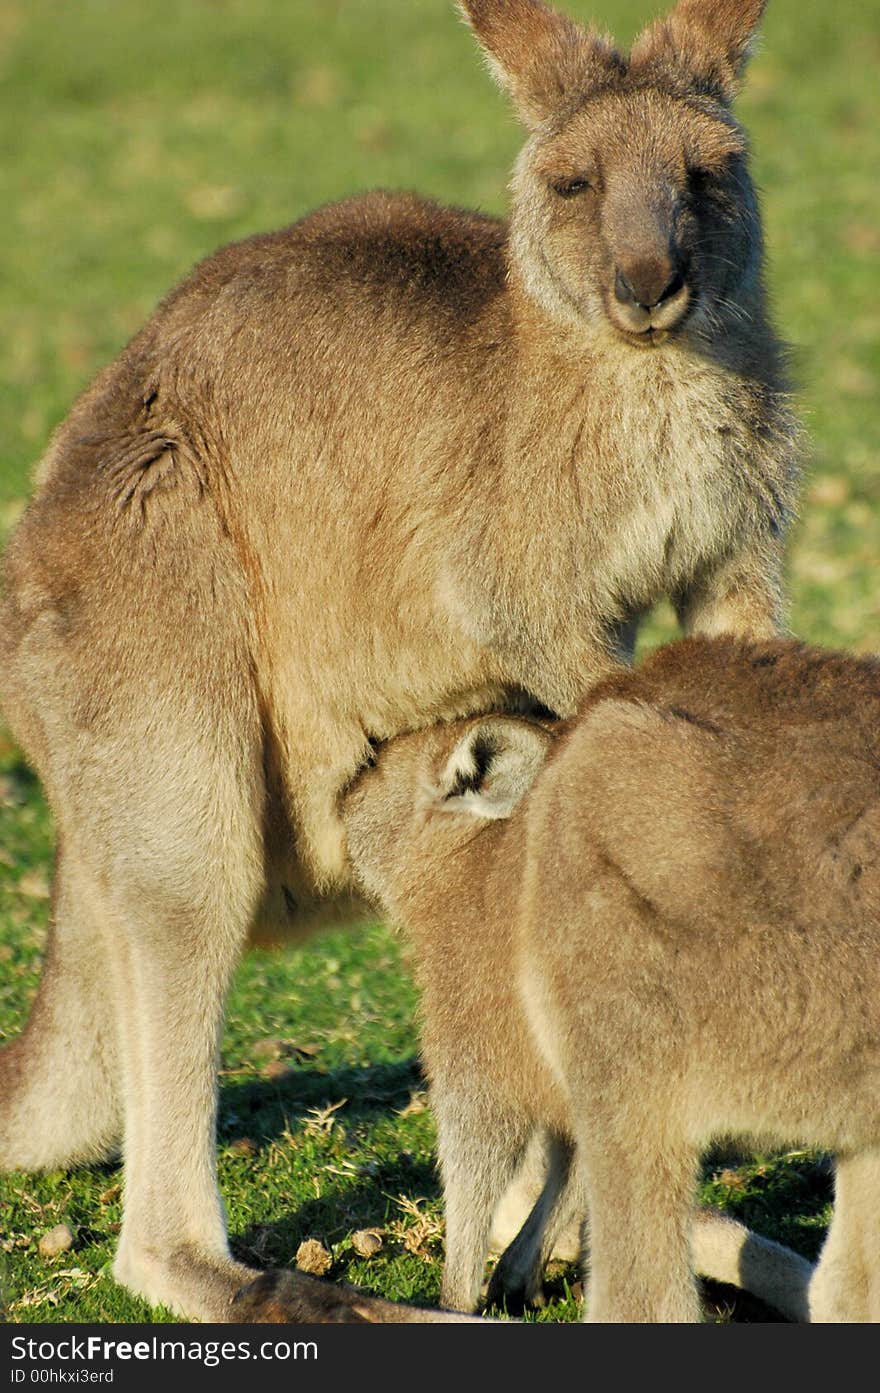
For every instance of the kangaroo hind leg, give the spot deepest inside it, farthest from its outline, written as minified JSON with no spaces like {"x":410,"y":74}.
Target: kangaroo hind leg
{"x":846,"y":1284}
{"x":60,"y":1099}
{"x":480,"y":1147}
{"x":140,"y":655}
{"x":517,"y":1280}
{"x":640,"y":1190}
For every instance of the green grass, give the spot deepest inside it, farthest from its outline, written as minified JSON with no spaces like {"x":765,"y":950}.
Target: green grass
{"x":133,"y":140}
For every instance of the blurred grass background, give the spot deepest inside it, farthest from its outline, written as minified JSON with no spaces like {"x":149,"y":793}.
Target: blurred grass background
{"x":136,"y":138}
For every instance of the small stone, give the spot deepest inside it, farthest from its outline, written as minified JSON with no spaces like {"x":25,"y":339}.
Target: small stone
{"x":55,"y":1241}
{"x":243,"y":1146}
{"x":367,"y":1242}
{"x":314,"y":1258}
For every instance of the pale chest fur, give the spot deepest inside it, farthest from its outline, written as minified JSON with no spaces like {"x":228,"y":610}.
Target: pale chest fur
{"x":616,"y":488}
{"x":667,"y":476}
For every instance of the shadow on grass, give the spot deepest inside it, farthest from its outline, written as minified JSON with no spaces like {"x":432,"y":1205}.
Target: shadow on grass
{"x":264,"y":1108}
{"x":725,"y":1305}
{"x":346,"y":1204}
{"x":23,"y":782}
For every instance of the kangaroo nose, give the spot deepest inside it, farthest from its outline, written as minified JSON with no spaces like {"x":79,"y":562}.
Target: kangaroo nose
{"x":647,"y":284}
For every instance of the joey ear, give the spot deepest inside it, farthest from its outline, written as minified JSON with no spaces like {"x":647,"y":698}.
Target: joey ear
{"x":492,"y":768}
{"x":711,"y":40}
{"x":545,"y":61}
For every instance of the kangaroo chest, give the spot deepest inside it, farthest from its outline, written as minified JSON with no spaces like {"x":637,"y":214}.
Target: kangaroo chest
{"x":674,"y":506}
{"x":662,"y":491}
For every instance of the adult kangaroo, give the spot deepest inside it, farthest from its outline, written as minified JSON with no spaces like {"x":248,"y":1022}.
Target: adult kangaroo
{"x":395,"y":464}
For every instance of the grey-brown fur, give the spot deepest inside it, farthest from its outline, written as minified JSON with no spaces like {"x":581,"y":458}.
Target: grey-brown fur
{"x":674,"y":937}
{"x":394,"y":464}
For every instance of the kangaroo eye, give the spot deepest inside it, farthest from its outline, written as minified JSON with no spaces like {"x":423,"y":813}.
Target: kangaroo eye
{"x":570,"y":188}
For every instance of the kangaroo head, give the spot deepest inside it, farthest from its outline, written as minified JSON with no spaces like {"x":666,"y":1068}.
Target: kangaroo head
{"x":396,"y":813}
{"x":632,"y":203}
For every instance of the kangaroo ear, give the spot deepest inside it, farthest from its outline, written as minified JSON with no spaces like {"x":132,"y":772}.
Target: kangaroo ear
{"x":711,"y":40}
{"x":546,"y":62}
{"x":492,"y":768}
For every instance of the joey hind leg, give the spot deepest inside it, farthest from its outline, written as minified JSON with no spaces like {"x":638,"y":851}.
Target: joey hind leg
{"x":518,"y":1276}
{"x":480,"y":1148}
{"x":721,"y":1248}
{"x":520,"y":1199}
{"x":640,"y":1195}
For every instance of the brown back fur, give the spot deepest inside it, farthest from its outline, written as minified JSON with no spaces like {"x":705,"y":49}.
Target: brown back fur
{"x":359,"y":411}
